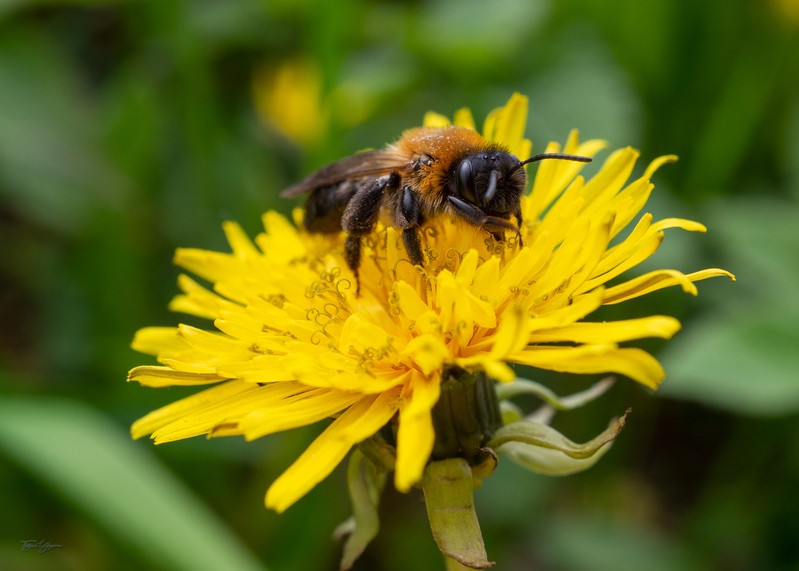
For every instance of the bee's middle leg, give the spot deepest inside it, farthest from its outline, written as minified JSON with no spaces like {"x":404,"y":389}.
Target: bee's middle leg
{"x":409,"y":218}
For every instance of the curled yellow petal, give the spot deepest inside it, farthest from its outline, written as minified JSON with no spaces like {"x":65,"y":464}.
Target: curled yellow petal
{"x":660,"y":279}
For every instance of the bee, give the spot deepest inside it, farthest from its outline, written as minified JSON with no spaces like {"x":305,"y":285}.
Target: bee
{"x":428,"y":172}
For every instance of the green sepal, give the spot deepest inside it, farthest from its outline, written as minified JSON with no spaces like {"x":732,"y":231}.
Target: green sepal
{"x":365,"y":482}
{"x":526,"y":387}
{"x":542,"y":449}
{"x":465,"y":415}
{"x":510,"y":412}
{"x":448,"y":494}
{"x":379,"y":452}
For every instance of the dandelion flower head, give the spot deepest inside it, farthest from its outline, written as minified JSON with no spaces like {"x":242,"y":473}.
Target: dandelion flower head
{"x":291,"y":344}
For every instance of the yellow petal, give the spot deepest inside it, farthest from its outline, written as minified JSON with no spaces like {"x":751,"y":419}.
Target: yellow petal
{"x":445,"y":298}
{"x":482,"y":312}
{"x":199,"y":300}
{"x":168,"y":377}
{"x":618,"y":253}
{"x":511,"y":334}
{"x":657,"y":163}
{"x":213,"y":343}
{"x":302,"y":410}
{"x":610,"y":332}
{"x":409,"y":301}
{"x":320,"y":458}
{"x":192,"y":362}
{"x":415,"y":436}
{"x":486,"y":276}
{"x":506,"y":125}
{"x":432,"y":119}
{"x":463,"y":118}
{"x":467,"y":269}
{"x":495,"y":369}
{"x":552,"y":177}
{"x":165,"y":415}
{"x":643,"y":250}
{"x":360,"y":333}
{"x":211,"y":266}
{"x":281,"y":242}
{"x":224,"y":414}
{"x":158,"y":340}
{"x":660,"y":279}
{"x":238,"y":240}
{"x":611,"y":177}
{"x":428,"y":352}
{"x":428,"y":323}
{"x":634,"y":363}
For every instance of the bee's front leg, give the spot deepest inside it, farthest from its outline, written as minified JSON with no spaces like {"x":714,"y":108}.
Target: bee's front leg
{"x":477,"y":217}
{"x":360,"y":217}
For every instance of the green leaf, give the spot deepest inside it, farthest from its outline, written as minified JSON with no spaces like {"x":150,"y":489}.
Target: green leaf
{"x":791,"y":158}
{"x":53,"y":168}
{"x":365,"y":482}
{"x":7,"y":7}
{"x":542,"y":449}
{"x":88,"y":460}
{"x":466,"y":39}
{"x":581,"y":64}
{"x":733,"y":118}
{"x":745,"y":362}
{"x":613,"y":543}
{"x":448,"y":495}
{"x":744,"y":358}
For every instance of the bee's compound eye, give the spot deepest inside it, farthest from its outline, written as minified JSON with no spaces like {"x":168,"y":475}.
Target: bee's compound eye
{"x":466,"y":181}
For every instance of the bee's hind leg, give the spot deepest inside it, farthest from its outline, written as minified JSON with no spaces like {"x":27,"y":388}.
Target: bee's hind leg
{"x":360,"y":217}
{"x":352,"y":253}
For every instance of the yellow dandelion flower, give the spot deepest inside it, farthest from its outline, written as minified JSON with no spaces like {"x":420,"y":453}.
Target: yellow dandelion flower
{"x":292,"y":344}
{"x":289,"y":99}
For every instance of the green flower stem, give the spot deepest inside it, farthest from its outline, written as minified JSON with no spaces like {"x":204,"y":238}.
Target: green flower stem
{"x":453,"y":565}
{"x":448,"y":495}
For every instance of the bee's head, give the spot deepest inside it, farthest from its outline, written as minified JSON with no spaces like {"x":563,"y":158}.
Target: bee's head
{"x":494,"y":180}
{"x":490,"y":180}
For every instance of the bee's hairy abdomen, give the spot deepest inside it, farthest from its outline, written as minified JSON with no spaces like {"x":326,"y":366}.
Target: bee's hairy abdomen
{"x":325,"y":206}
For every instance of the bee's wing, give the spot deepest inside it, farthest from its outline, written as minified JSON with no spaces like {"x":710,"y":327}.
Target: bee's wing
{"x":356,"y":166}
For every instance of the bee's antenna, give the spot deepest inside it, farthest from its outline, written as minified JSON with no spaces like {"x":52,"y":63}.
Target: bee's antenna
{"x":560,"y":156}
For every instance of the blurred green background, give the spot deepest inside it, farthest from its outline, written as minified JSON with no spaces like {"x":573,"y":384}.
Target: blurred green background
{"x":128,"y":129}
